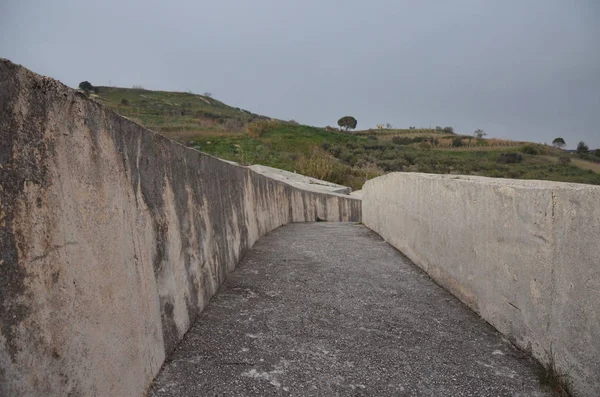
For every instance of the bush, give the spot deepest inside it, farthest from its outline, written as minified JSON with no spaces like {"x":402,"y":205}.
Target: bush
{"x":457,"y":142}
{"x":449,"y":130}
{"x":403,"y":140}
{"x":425,"y":145}
{"x":319,"y":165}
{"x":410,"y":158}
{"x":392,"y":165}
{"x":509,"y":158}
{"x":258,"y":127}
{"x":124,"y":101}
{"x":597,"y":153}
{"x":530,"y":149}
{"x":564,"y":160}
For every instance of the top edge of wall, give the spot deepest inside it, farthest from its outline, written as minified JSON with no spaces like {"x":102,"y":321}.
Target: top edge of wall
{"x":520,"y":183}
{"x":63,"y":88}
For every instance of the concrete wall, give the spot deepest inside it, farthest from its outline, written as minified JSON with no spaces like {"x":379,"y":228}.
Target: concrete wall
{"x":525,"y":255}
{"x":113,"y":239}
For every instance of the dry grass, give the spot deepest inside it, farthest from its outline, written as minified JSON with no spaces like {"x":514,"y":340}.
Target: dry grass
{"x":319,"y":165}
{"x":184,"y":136}
{"x":474,"y":148}
{"x":551,"y":376}
{"x":389,"y":137}
{"x":469,"y":143}
{"x":586,"y":165}
{"x":258,"y":127}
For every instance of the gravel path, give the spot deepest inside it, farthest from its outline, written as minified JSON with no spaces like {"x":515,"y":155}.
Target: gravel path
{"x":330,"y":309}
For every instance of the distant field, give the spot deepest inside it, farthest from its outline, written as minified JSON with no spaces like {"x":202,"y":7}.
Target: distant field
{"x":346,"y":158}
{"x":354,"y":158}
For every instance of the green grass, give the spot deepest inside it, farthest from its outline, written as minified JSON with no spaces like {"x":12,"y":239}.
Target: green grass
{"x":179,"y":115}
{"x":350,"y":158}
{"x":280,"y":147}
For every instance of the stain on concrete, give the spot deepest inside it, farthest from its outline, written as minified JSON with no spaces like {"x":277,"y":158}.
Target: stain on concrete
{"x":24,"y":150}
{"x":96,"y":212}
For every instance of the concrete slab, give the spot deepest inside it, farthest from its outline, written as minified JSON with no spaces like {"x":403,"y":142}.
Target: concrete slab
{"x":300,"y":181}
{"x":328,"y":309}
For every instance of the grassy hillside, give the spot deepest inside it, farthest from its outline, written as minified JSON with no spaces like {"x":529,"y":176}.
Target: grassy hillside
{"x":357,"y":157}
{"x":178,"y":115}
{"x":346,"y":158}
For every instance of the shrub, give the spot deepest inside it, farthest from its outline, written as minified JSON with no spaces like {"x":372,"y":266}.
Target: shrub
{"x":375,"y":146}
{"x":393,"y":165}
{"x":597,"y":153}
{"x":124,"y":101}
{"x":479,"y":133}
{"x":425,"y":145}
{"x":564,"y":160}
{"x":449,"y":130}
{"x":509,"y":158}
{"x":319,"y":165}
{"x":404,"y":140}
{"x":530,"y":149}
{"x":410,"y":158}
{"x":457,"y":142}
{"x":258,"y":127}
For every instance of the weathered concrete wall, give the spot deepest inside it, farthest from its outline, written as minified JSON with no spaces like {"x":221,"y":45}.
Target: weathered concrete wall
{"x":525,"y":255}
{"x":113,"y":238}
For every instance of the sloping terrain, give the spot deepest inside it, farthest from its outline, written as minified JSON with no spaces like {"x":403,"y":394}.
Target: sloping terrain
{"x":175,"y":114}
{"x":347,"y":158}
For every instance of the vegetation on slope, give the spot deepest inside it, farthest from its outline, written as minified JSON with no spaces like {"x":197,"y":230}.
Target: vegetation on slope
{"x":350,"y":159}
{"x":178,"y":115}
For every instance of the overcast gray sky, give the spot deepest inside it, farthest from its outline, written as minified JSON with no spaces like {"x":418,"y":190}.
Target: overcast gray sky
{"x":521,"y":69}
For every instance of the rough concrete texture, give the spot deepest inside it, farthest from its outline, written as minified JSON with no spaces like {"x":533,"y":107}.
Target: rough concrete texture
{"x":113,"y":238}
{"x":329,"y":309}
{"x":525,"y":255}
{"x":301,"y":181}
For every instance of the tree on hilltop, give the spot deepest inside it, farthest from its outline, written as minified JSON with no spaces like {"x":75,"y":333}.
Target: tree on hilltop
{"x":479,"y":133}
{"x":582,"y":147}
{"x":86,"y":86}
{"x":347,"y":122}
{"x":559,"y":143}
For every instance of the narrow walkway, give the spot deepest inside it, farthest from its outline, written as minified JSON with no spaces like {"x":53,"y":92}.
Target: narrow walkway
{"x":330,"y":309}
